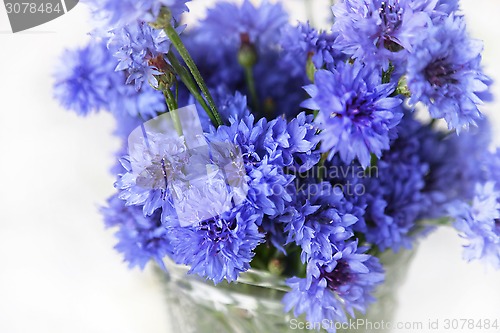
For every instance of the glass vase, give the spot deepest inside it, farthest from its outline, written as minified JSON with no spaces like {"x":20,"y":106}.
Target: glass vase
{"x":253,"y":304}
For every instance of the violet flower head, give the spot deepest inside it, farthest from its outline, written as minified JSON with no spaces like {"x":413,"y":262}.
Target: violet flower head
{"x":266,"y":177}
{"x":218,"y":248}
{"x":271,"y":151}
{"x":356,"y":114}
{"x":395,"y":195}
{"x":333,"y":289}
{"x":318,"y":217}
{"x":140,"y":50}
{"x":303,"y":41}
{"x":378,"y":30}
{"x":232,"y":107}
{"x":457,"y":163}
{"x":82,"y":79}
{"x":445,"y":74}
{"x":88,"y":82}
{"x":140,"y":238}
{"x":152,"y":153}
{"x":268,"y":148}
{"x":479,"y":224}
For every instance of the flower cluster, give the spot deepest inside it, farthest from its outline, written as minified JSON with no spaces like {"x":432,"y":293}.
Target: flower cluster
{"x":139,"y":48}
{"x":356,"y":113}
{"x":88,"y":82}
{"x":424,"y":44}
{"x":447,"y":76}
{"x":479,"y":223}
{"x":300,"y":150}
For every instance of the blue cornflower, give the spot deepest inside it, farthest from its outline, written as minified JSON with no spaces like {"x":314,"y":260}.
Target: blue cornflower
{"x":274,"y":152}
{"x":301,"y":42}
{"x":268,"y":148}
{"x":268,"y":186}
{"x":379,"y":30}
{"x":221,"y":247}
{"x":267,"y":179}
{"x":395,"y":192}
{"x":333,"y":288}
{"x":302,"y":143}
{"x":271,"y":152}
{"x":137,"y":47}
{"x":226,"y":22}
{"x":233,"y":108}
{"x":479,"y":224}
{"x":218,"y":248}
{"x":454,"y":164}
{"x":318,"y":217}
{"x":356,"y":114}
{"x":88,"y":82}
{"x":445,"y":74}
{"x":143,"y":155}
{"x":140,"y":238}
{"x":82,"y":78}
{"x":291,"y":142}
{"x":119,"y":13}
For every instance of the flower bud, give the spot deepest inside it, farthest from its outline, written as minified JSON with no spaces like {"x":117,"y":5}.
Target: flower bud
{"x":247,"y":55}
{"x":310,"y":68}
{"x":276,"y":267}
{"x":167,"y":78}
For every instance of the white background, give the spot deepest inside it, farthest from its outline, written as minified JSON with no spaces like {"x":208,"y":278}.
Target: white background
{"x":58,"y":271}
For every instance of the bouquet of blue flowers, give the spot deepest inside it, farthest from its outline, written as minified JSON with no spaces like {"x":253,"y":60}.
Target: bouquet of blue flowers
{"x":251,"y":142}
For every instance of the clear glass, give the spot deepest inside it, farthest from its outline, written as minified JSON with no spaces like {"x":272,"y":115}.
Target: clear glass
{"x":253,"y":305}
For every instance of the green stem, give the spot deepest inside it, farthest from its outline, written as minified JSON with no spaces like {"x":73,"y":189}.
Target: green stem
{"x":251,"y":87}
{"x":183,"y":52}
{"x":386,"y":75}
{"x":170,"y":99}
{"x":321,"y":166}
{"x":444,"y":221}
{"x":172,"y":108}
{"x":187,"y":79}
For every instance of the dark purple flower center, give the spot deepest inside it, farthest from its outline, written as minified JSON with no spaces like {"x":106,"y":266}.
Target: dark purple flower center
{"x":81,"y":76}
{"x":391,"y":16}
{"x":440,"y":73}
{"x":218,"y":229}
{"x":359,"y":111}
{"x":339,"y":276}
{"x":152,"y":245}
